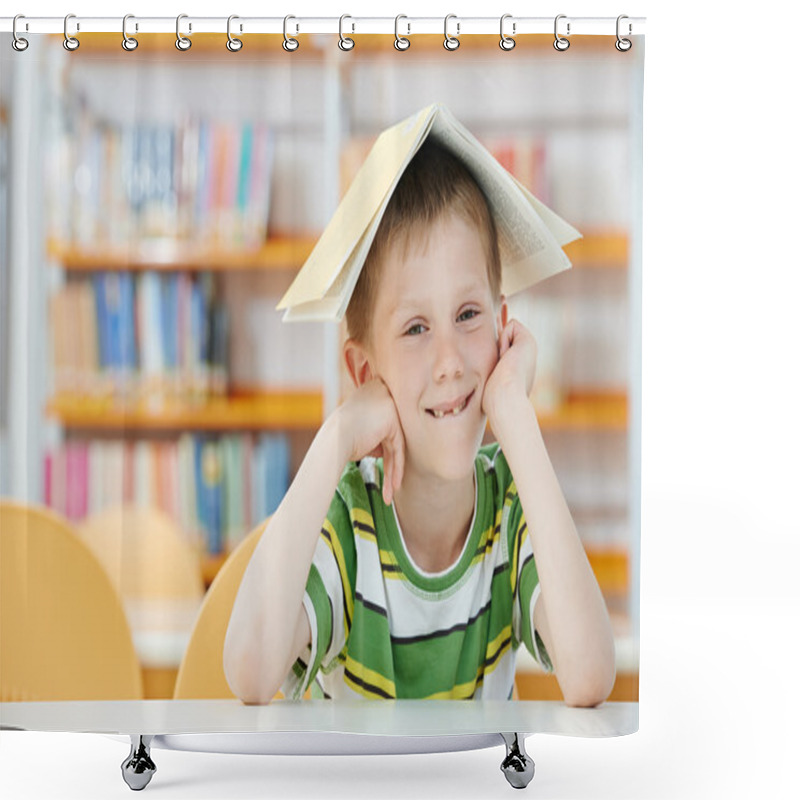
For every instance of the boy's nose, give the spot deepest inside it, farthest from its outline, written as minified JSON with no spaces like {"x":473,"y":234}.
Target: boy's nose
{"x":449,"y":363}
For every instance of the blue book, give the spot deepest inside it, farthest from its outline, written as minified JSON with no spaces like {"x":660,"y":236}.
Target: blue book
{"x":98,"y":284}
{"x":127,"y":324}
{"x":277,"y":477}
{"x":210,"y":488}
{"x":243,"y":189}
{"x":114,"y":315}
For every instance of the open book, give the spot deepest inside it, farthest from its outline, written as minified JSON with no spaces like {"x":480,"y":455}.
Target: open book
{"x":530,"y":234}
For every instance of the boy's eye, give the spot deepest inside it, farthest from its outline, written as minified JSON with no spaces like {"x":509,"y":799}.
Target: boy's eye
{"x":468,"y":314}
{"x":415,"y":330}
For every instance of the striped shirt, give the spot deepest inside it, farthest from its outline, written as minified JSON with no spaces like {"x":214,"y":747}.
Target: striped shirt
{"x":381,"y":627}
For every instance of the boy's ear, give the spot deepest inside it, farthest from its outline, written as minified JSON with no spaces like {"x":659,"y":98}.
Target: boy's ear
{"x":357,"y":362}
{"x":502,"y":314}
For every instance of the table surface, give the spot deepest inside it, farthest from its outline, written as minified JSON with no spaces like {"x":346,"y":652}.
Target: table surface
{"x":376,"y":718}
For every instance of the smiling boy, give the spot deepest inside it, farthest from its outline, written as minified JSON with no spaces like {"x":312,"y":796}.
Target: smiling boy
{"x":436,"y":558}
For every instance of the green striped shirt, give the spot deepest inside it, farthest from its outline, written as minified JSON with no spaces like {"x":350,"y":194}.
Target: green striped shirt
{"x":381,"y":627}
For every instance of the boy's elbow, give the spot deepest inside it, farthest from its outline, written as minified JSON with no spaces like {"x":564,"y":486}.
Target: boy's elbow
{"x":245,"y":675}
{"x":594,"y":688}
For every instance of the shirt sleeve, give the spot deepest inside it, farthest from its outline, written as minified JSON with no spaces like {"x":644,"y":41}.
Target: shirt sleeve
{"x":328,"y":599}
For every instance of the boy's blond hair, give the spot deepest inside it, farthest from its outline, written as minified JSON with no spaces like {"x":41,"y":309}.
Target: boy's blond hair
{"x":435,"y":182}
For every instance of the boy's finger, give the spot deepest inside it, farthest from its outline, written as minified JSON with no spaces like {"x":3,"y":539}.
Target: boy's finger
{"x":388,"y":472}
{"x":399,"y":460}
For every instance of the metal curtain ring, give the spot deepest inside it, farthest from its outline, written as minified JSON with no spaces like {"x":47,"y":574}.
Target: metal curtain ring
{"x":451,"y":42}
{"x":506,"y":42}
{"x":560,"y":44}
{"x":181,"y":42}
{"x":623,"y":45}
{"x":400,"y":42}
{"x":128,"y":42}
{"x":345,"y":42}
{"x":289,"y":44}
{"x":18,"y":43}
{"x":70,"y":42}
{"x":233,"y":44}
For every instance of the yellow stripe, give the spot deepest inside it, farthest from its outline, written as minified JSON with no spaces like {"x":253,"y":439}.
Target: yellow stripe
{"x":368,"y":676}
{"x":494,"y":645}
{"x":459,"y":692}
{"x":339,"y":556}
{"x":365,"y":518}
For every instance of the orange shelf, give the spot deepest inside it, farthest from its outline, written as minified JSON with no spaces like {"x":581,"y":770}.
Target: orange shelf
{"x":588,"y":411}
{"x":610,"y":567}
{"x":290,"y":410}
{"x":433,"y":43}
{"x":313,"y":45}
{"x":599,"y":249}
{"x":283,"y":253}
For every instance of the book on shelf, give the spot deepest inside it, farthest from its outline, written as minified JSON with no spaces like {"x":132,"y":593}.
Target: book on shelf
{"x":199,"y":179}
{"x":216,"y":489}
{"x":530,"y":234}
{"x":151,"y":335}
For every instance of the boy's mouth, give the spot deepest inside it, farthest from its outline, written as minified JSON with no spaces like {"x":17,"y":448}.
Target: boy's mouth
{"x":451,"y":409}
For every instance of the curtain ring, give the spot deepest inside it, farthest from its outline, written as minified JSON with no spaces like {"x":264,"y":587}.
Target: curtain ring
{"x":345,"y":42}
{"x":623,"y":45}
{"x":182,"y":43}
{"x":128,"y":42}
{"x":233,"y":44}
{"x":400,"y":42}
{"x":560,"y":44}
{"x":18,"y":43}
{"x":70,"y":42}
{"x":506,"y":42}
{"x":451,"y":42}
{"x":290,"y":44}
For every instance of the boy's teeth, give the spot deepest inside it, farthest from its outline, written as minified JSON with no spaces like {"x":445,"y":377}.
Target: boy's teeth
{"x":457,"y":410}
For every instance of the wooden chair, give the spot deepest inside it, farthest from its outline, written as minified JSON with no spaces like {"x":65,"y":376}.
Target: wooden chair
{"x":201,"y":675}
{"x":158,"y":575}
{"x":63,"y":632}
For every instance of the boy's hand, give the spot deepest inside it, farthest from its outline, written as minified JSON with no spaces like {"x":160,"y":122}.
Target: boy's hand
{"x":372,"y":427}
{"x":514,"y":372}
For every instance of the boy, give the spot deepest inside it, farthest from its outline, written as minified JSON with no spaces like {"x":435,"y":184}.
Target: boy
{"x":433,"y":564}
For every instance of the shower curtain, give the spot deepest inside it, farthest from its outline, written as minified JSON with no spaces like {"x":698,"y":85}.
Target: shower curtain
{"x":153,"y":396}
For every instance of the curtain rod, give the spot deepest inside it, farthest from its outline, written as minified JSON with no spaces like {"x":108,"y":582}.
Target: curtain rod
{"x":458,"y":26}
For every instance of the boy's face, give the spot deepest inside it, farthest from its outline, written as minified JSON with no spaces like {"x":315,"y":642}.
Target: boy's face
{"x":434,"y":344}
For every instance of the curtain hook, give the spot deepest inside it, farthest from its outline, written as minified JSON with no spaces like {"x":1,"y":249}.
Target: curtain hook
{"x":400,"y":42}
{"x":290,"y":44}
{"x":451,"y":42}
{"x":128,"y":42}
{"x":506,"y":42}
{"x":233,"y":44}
{"x":18,"y":43}
{"x":182,"y":43}
{"x":345,"y":42}
{"x":623,"y":45}
{"x":70,"y":42}
{"x":560,"y":44}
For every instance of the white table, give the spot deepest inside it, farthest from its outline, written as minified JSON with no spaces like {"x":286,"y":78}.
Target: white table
{"x":321,"y":727}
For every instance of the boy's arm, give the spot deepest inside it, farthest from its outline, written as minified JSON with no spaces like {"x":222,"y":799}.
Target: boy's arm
{"x":570,"y":614}
{"x":269,"y":627}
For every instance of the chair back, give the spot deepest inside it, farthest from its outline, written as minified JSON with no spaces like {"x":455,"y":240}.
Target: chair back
{"x":63,"y":631}
{"x":201,"y":675}
{"x":153,"y":567}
